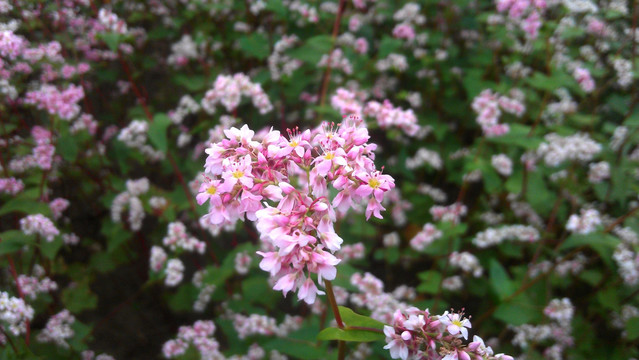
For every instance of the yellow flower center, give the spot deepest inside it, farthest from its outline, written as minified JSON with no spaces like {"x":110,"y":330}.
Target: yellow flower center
{"x":211,"y":190}
{"x":238,"y":174}
{"x":457,"y":322}
{"x":329,"y":156}
{"x":374,"y":183}
{"x":293,"y":143}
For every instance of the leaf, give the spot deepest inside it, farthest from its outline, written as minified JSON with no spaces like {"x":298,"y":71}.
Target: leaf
{"x":255,"y":45}
{"x":191,"y":83}
{"x":112,"y":40}
{"x":14,"y":240}
{"x":313,"y":49}
{"x":430,"y":282}
{"x":388,"y":45}
{"x":353,"y":319}
{"x":296,"y":349}
{"x":518,"y":136}
{"x":157,"y":131}
{"x":515,"y":314}
{"x":632,"y":328}
{"x":67,"y":147}
{"x":349,"y":335}
{"x":50,"y":248}
{"x":603,"y":244}
{"x":25,"y":205}
{"x":79,"y":297}
{"x":500,"y":280}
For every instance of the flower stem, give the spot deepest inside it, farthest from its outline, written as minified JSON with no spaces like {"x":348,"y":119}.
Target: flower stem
{"x":333,"y":303}
{"x":341,"y":345}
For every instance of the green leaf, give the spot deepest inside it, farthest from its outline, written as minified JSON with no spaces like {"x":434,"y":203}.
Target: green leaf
{"x":255,"y":45}
{"x":157,"y":131}
{"x":518,"y":136}
{"x":388,"y":45}
{"x":632,"y":328}
{"x":609,"y":298}
{"x":430,"y":282}
{"x":191,"y":83}
{"x":603,"y":244}
{"x":79,"y":297}
{"x":349,"y":335}
{"x":112,"y":40}
{"x":313,"y":49}
{"x":50,"y":248}
{"x":515,"y":313}
{"x":297,"y":349}
{"x":353,"y":319}
{"x":67,"y":147}
{"x":25,"y":205}
{"x":14,"y":240}
{"x":500,"y":280}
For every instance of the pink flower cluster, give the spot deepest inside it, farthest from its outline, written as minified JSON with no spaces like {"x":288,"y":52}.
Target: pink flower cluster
{"x":584,"y":79}
{"x":31,"y":286}
{"x":40,"y":225}
{"x":178,"y":238}
{"x":488,"y":106}
{"x":416,"y":334}
{"x":200,"y":335}
{"x":41,"y":155}
{"x":517,"y":9}
{"x":387,"y":116}
{"x":298,"y":230}
{"x":61,"y":103}
{"x":11,"y":185}
{"x":228,"y":91}
{"x":58,"y":329}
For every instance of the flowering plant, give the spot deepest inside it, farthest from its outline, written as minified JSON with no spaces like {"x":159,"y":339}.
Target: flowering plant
{"x":273,"y":179}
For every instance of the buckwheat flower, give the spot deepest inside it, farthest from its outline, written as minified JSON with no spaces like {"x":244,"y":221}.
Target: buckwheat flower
{"x":584,"y":79}
{"x":15,"y":313}
{"x":467,"y":262}
{"x":556,"y":149}
{"x":425,"y":237}
{"x":11,"y":185}
{"x":157,"y":258}
{"x":585,"y":223}
{"x":452,"y":213}
{"x":502,"y":164}
{"x":70,"y":239}
{"x":40,"y":225}
{"x":174,"y":272}
{"x":455,"y":324}
{"x":598,"y":172}
{"x":158,"y":203}
{"x":361,"y":46}
{"x":57,"y":206}
{"x":478,"y":346}
{"x":58,"y":329}
{"x":391,"y":239}
{"x":453,"y":283}
{"x":395,"y":344}
{"x":33,"y":285}
{"x":560,"y":310}
{"x":242,"y":262}
{"x":178,"y":238}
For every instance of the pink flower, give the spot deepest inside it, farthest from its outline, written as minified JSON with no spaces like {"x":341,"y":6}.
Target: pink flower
{"x":404,"y":31}
{"x":209,"y":191}
{"x":455,"y":324}
{"x":326,"y":162}
{"x":308,"y":291}
{"x":395,"y":344}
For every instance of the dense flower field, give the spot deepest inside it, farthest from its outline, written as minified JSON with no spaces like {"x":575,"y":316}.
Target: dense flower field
{"x":297,"y":179}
